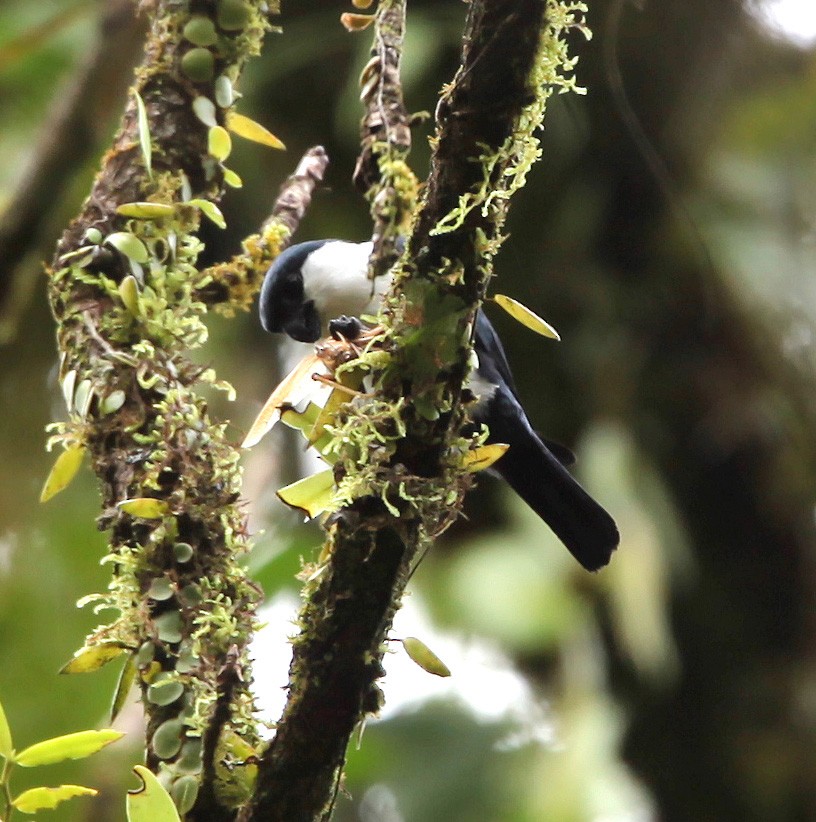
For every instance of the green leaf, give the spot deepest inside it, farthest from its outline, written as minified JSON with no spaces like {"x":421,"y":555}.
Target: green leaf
{"x":144,"y":507}
{"x":312,"y":495}
{"x":92,"y":658}
{"x":144,"y":134}
{"x":247,"y":128}
{"x":123,"y":686}
{"x":63,"y":471}
{"x":525,"y":316}
{"x":232,"y":179}
{"x":41,"y":799}
{"x":146,"y":210}
{"x":6,"y":747}
{"x":210,"y":210}
{"x":129,"y":292}
{"x":151,"y":803}
{"x":420,"y":653}
{"x":71,"y":746}
{"x":301,"y":420}
{"x":129,"y":245}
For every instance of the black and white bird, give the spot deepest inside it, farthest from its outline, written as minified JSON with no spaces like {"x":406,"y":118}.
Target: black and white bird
{"x":311,"y":283}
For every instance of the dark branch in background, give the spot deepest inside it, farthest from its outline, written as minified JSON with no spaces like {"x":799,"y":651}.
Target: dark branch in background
{"x":70,"y":139}
{"x":236,"y":282}
{"x":350,"y":606}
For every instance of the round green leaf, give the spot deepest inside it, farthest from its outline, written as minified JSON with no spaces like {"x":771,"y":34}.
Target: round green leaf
{"x":224,"y":93}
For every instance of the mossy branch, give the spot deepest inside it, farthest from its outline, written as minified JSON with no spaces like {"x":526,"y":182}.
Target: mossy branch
{"x":382,"y":173}
{"x":400,"y":469}
{"x":128,"y":299}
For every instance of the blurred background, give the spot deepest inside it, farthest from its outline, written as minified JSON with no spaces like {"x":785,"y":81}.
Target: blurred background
{"x":669,"y":235}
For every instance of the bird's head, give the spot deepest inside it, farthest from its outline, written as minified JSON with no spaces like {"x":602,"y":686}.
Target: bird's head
{"x":311,"y":283}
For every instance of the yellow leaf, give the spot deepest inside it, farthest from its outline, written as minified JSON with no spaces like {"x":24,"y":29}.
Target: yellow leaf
{"x":144,"y":507}
{"x":484,"y":456}
{"x":232,"y":179}
{"x":424,"y":657}
{"x":63,"y":471}
{"x":41,"y":799}
{"x":522,"y":314}
{"x":312,"y":495}
{"x":291,"y":390}
{"x":92,"y":658}
{"x":219,"y":143}
{"x":70,"y":746}
{"x":151,"y":803}
{"x":247,"y":128}
{"x":356,"y":22}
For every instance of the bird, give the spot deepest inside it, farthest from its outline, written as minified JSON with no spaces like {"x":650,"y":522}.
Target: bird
{"x":311,"y":283}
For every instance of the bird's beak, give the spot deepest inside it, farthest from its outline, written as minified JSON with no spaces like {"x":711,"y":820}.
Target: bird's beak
{"x":305,"y":326}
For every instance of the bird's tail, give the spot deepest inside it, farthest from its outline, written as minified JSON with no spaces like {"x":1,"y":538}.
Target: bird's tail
{"x":535,"y":474}
{"x":586,"y":529}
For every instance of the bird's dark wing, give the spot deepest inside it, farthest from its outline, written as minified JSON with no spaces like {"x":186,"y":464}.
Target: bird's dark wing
{"x":493,"y":364}
{"x":493,"y":367}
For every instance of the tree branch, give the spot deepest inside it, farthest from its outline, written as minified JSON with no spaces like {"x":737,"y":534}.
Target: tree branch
{"x":382,"y":173}
{"x":400,"y":472}
{"x":126,"y":294}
